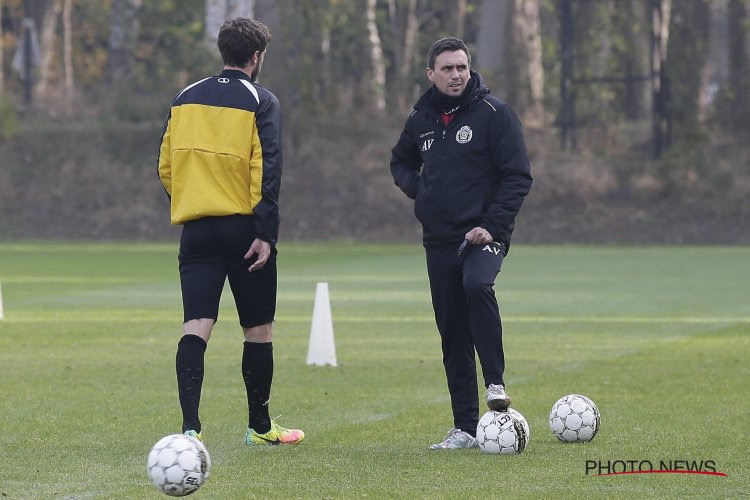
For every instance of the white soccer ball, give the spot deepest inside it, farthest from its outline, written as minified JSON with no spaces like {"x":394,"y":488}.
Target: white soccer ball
{"x":178,"y":464}
{"x":574,"y":418}
{"x":503,"y":432}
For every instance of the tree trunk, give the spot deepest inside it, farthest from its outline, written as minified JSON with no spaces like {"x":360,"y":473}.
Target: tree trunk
{"x":636,"y":93}
{"x":122,"y":38}
{"x":411,"y":33}
{"x":602,"y":56}
{"x":378,"y":62}
{"x":686,"y":62}
{"x":528,"y":21}
{"x":492,"y":42}
{"x":215,"y":11}
{"x":218,"y":11}
{"x":716,"y":71}
{"x":567,"y":108}
{"x":68,"y":56}
{"x":48,"y":45}
{"x":325,"y":51}
{"x":660,"y":17}
{"x":2,"y":59}
{"x":275,"y":63}
{"x":739,"y":71}
{"x":460,"y":19}
{"x":396,"y":25}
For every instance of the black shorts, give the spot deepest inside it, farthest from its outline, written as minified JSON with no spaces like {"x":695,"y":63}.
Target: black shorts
{"x":212,"y":249}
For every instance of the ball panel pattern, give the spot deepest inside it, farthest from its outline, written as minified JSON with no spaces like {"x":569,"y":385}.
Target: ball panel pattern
{"x":503,"y":433}
{"x":574,"y":418}
{"x":178,"y":464}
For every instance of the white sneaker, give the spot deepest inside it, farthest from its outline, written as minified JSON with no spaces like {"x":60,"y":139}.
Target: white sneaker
{"x":455,"y":440}
{"x":497,"y":400}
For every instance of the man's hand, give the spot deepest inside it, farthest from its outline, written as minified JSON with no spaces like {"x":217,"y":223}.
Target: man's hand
{"x":478,"y":236}
{"x":263,"y":250}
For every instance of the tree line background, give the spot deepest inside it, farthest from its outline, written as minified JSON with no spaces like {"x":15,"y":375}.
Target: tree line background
{"x":589,"y":78}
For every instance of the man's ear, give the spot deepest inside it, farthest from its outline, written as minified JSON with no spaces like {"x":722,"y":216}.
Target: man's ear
{"x":430,"y":75}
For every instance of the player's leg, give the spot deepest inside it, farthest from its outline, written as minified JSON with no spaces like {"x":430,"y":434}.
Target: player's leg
{"x":451,"y":316}
{"x":202,"y":275}
{"x":480,"y":269}
{"x":257,"y":358}
{"x":255,"y":297}
{"x":257,"y":373}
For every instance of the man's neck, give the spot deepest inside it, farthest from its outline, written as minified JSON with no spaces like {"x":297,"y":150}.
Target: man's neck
{"x":248,"y":70}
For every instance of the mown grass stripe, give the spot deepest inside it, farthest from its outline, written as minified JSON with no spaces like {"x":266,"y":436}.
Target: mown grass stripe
{"x":108,"y":316}
{"x":22,"y":279}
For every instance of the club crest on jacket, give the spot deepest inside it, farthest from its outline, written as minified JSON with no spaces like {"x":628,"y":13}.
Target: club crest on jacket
{"x":463,"y":135}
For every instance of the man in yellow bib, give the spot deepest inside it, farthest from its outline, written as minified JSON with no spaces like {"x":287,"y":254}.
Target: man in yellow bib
{"x":220,"y":164}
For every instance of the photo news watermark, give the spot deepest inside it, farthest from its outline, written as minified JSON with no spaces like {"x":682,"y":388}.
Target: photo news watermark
{"x":621,"y":467}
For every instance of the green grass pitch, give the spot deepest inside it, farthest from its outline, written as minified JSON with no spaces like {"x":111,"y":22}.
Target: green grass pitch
{"x":658,"y":337}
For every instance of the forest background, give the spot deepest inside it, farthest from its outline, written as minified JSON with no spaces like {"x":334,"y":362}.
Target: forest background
{"x":636,"y":112}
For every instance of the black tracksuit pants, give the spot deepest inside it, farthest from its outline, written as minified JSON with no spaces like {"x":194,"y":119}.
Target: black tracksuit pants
{"x":468,"y":318}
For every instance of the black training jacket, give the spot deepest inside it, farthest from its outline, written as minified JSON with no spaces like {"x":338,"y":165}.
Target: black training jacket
{"x":474,"y":172}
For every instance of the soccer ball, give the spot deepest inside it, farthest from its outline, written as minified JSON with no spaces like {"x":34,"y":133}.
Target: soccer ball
{"x":574,"y":418}
{"x":503,"y":432}
{"x":178,"y":464}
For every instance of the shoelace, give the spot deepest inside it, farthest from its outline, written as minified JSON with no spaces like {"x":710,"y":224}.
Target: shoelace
{"x":496,"y":391}
{"x":276,"y":426}
{"x":453,"y":433}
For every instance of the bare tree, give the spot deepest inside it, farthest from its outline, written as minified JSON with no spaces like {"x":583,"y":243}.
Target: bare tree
{"x":604,"y":45}
{"x":218,"y":11}
{"x":267,"y":12}
{"x":396,"y":27}
{"x":48,"y":47}
{"x":68,"y":56}
{"x":215,"y":12}
{"x":666,"y":16}
{"x":405,"y":22}
{"x":716,"y":70}
{"x":411,"y":33}
{"x":529,"y":26}
{"x":460,"y":19}
{"x":378,"y":61}
{"x":636,"y":97}
{"x":739,"y":71}
{"x":123,"y":34}
{"x":2,"y":60}
{"x":492,"y":42}
{"x":325,"y":50}
{"x":661,"y":12}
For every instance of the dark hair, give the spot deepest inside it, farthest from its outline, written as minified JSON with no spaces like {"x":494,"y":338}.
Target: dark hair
{"x":240,"y":38}
{"x":446,"y":44}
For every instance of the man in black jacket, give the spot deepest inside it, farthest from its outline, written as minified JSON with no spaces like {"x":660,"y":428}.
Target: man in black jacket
{"x":462,"y":158}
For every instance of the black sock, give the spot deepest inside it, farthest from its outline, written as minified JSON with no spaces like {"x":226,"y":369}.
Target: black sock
{"x":257,"y":372}
{"x":189,"y":364}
